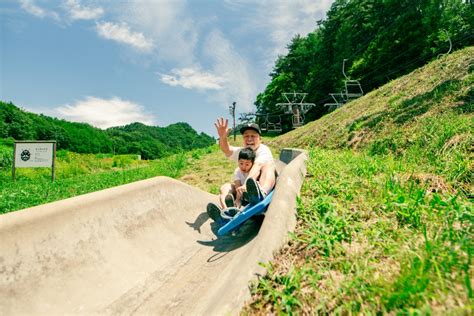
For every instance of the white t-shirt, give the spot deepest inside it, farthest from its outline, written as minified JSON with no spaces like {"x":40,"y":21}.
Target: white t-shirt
{"x":263,"y":154}
{"x":240,"y":175}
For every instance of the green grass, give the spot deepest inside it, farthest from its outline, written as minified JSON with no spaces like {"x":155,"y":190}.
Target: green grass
{"x":79,"y":174}
{"x":372,"y":238}
{"x":386,"y":216}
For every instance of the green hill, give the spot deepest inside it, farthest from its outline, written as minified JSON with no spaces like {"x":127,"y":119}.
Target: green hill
{"x":385,"y":218}
{"x":426,"y":115}
{"x":150,"y":142}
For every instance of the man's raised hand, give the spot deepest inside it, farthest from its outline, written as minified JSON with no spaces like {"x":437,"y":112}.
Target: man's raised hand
{"x":222,"y":127}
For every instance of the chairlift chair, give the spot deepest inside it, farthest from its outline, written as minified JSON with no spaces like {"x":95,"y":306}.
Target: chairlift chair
{"x":339,"y":100}
{"x":274,"y":126}
{"x":353,"y":89}
{"x":263,"y":123}
{"x":264,"y":126}
{"x":450,"y":45}
{"x":278,"y":128}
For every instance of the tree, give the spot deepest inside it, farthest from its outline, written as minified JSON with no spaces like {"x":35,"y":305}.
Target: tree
{"x":149,"y":141}
{"x":381,"y":40}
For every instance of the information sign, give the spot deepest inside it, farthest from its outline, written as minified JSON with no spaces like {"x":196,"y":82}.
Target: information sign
{"x":33,"y":154}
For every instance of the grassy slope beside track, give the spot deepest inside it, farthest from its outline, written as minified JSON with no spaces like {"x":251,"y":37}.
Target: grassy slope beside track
{"x":385,"y":219}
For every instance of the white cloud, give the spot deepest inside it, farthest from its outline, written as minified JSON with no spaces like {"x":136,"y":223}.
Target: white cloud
{"x":193,"y":78}
{"x":281,"y":20}
{"x":122,"y":34}
{"x":33,"y":9}
{"x":169,"y":23}
{"x":285,"y":19}
{"x":104,"y":113}
{"x":239,"y":84}
{"x":78,"y":12}
{"x":234,"y":81}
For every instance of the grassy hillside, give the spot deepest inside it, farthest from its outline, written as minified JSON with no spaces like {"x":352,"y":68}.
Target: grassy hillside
{"x":426,"y":117}
{"x":385,"y":218}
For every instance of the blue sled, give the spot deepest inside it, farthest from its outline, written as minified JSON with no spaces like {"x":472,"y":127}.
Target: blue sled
{"x":245,"y":214}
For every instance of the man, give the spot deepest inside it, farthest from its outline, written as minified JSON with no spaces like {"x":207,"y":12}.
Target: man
{"x":263,"y":168}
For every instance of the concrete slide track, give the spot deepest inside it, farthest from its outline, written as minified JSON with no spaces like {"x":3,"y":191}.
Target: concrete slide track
{"x":143,"y":248}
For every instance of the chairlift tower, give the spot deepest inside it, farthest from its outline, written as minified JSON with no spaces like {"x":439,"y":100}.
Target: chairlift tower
{"x":296,"y":107}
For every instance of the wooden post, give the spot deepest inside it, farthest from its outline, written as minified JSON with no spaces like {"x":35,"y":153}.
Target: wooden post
{"x":54,"y":162}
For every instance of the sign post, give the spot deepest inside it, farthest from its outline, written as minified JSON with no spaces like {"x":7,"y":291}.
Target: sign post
{"x":34,"y":154}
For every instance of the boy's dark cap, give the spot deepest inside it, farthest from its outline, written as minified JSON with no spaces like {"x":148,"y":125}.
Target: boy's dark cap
{"x":252,"y":126}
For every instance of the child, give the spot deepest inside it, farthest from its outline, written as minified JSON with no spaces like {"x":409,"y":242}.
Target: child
{"x":246,"y":161}
{"x":231,"y":194}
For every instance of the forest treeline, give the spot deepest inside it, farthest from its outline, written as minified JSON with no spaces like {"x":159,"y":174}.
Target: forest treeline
{"x":381,"y":41}
{"x":150,"y":142}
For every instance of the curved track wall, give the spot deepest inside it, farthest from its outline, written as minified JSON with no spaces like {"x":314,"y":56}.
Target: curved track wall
{"x":143,"y":248}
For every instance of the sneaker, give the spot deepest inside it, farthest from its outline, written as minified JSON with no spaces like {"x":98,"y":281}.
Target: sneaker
{"x":254,"y":193}
{"x":230,"y":212}
{"x":229,"y":200}
{"x":214,"y":212}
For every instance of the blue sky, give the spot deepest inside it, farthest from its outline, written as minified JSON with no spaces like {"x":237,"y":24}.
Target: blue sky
{"x":110,"y":63}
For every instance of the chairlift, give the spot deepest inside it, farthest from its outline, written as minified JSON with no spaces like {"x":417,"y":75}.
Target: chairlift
{"x":294,"y":106}
{"x":295,"y":98}
{"x":353,"y":89}
{"x":263,"y":123}
{"x":450,"y":45}
{"x":274,"y":126}
{"x":339,"y":100}
{"x":264,"y":126}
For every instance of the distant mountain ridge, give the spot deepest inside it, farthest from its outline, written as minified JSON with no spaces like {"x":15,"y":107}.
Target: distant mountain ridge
{"x":150,"y":142}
